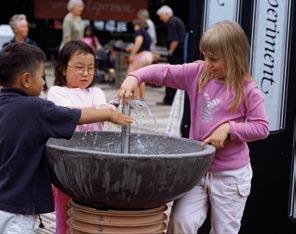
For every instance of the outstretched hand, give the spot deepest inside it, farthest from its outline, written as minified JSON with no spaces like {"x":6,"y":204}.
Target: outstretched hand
{"x":117,"y":117}
{"x":107,"y":106}
{"x":219,"y":136}
{"x":127,"y":87}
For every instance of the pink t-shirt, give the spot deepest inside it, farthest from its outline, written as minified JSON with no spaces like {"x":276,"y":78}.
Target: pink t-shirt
{"x":210,"y":109}
{"x":78,"y":98}
{"x":91,"y":41}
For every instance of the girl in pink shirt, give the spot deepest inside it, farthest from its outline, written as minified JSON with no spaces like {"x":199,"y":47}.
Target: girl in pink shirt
{"x":91,"y":39}
{"x":72,"y":88}
{"x":227,"y":111}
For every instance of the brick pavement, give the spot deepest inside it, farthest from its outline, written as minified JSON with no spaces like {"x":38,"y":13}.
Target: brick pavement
{"x":161,"y":113}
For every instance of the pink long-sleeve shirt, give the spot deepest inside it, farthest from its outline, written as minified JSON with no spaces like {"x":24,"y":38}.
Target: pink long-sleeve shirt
{"x":210,"y":109}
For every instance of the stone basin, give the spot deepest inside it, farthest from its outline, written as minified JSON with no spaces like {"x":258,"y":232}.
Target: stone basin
{"x":90,"y":168}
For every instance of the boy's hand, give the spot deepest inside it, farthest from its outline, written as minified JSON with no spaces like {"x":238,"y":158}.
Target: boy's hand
{"x":93,"y":115}
{"x":107,"y":106}
{"x":127,"y":87}
{"x":219,"y":136}
{"x":117,"y":117}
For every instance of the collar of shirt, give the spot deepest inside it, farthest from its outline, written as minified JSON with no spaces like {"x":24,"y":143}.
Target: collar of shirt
{"x":12,"y":92}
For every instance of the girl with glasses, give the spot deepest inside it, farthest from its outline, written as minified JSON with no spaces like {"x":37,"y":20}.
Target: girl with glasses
{"x":74,"y":74}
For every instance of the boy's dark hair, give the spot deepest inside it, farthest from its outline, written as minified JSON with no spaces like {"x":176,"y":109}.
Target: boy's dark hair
{"x":68,"y":50}
{"x":18,"y":58}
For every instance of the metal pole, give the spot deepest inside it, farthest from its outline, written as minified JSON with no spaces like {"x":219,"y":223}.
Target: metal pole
{"x":125,"y":131}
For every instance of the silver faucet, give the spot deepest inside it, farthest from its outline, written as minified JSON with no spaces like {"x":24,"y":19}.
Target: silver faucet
{"x":125,"y":131}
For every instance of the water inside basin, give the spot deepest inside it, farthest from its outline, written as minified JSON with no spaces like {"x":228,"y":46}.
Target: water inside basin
{"x":90,"y":168}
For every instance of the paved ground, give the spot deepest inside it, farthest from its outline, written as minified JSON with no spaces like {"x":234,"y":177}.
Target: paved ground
{"x":147,"y":124}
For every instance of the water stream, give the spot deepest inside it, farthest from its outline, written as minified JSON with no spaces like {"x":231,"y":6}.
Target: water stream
{"x":144,"y":122}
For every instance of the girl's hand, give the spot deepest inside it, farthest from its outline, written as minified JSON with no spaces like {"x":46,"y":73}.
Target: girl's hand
{"x":219,"y":136}
{"x":127,"y":87}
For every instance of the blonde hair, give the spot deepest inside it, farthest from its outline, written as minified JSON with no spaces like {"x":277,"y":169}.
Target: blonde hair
{"x":228,"y":40}
{"x":143,"y":13}
{"x":15,"y":19}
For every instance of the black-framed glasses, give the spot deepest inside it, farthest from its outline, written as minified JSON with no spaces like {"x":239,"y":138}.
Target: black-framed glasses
{"x":81,"y":70}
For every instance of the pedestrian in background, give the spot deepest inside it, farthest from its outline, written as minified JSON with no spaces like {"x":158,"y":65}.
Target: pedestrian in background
{"x":175,"y":39}
{"x":73,"y":26}
{"x":140,"y":53}
{"x":144,"y":15}
{"x":91,"y":39}
{"x":20,"y":28}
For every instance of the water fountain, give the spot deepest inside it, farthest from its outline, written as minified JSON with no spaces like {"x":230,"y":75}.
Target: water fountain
{"x":135,"y":173}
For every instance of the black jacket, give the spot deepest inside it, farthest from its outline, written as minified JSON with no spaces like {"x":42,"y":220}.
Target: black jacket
{"x":26,"y":124}
{"x":27,"y":41}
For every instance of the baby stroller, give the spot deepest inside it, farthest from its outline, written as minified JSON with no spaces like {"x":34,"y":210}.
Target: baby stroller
{"x":105,"y":66}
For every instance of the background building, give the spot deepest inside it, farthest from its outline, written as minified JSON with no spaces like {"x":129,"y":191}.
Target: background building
{"x":111,"y":18}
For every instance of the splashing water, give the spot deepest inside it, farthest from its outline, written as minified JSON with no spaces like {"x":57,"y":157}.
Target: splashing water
{"x":144,"y":122}
{"x":144,"y":119}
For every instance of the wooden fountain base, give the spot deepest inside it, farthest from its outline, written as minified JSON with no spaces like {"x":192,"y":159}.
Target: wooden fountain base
{"x":83,"y":219}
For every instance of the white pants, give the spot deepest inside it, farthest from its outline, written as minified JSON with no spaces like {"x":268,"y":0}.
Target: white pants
{"x":225,"y":192}
{"x":16,"y":223}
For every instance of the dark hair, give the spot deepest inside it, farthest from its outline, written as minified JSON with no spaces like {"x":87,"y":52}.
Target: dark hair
{"x":91,"y":35}
{"x":91,"y":29}
{"x":17,"y":58}
{"x":68,"y":50}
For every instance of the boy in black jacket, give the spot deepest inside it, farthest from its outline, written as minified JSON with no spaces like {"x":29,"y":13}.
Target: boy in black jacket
{"x":26,"y":123}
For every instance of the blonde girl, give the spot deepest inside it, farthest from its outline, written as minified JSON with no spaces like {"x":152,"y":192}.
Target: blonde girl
{"x":227,"y":111}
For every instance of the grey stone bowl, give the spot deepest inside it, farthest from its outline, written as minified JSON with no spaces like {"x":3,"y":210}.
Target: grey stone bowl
{"x":90,"y":168}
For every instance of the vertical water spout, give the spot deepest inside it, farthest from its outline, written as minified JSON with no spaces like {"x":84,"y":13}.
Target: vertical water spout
{"x":125,"y":131}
